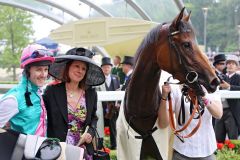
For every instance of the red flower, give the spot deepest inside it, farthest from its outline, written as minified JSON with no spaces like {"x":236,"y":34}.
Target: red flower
{"x":230,"y":145}
{"x":106,"y":150}
{"x":106,"y":131}
{"x":227,"y":141}
{"x":220,"y":146}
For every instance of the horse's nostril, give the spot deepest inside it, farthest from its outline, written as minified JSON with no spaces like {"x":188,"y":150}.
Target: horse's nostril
{"x":216,"y":82}
{"x":213,"y":85}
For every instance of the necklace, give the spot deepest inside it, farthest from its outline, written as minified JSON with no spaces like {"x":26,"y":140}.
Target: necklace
{"x":71,"y":95}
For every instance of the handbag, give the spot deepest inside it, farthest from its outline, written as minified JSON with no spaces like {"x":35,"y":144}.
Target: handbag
{"x":99,"y":154}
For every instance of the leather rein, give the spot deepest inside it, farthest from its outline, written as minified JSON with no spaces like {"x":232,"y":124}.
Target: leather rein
{"x":196,"y":109}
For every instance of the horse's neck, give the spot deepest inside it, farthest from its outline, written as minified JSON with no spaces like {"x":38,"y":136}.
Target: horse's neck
{"x":143,"y":90}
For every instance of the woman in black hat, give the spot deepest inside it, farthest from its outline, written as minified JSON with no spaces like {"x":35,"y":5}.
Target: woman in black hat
{"x":71,"y":105}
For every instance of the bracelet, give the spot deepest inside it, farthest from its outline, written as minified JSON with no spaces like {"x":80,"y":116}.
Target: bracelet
{"x":206,"y":102}
{"x":164,"y":99}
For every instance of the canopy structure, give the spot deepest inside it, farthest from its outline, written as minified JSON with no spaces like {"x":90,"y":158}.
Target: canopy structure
{"x":118,"y":36}
{"x":117,"y":25}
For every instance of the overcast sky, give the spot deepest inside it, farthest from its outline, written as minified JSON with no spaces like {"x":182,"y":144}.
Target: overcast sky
{"x":42,"y":27}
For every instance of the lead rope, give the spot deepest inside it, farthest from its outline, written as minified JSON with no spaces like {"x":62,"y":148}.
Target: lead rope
{"x":172,"y":124}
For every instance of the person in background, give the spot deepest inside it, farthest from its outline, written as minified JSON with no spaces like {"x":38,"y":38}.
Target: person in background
{"x":110,"y":109}
{"x":219,"y":64}
{"x":117,"y":69}
{"x":22,"y":105}
{"x":202,"y":144}
{"x":127,"y":66}
{"x":229,"y":124}
{"x":220,"y":70}
{"x":71,"y":105}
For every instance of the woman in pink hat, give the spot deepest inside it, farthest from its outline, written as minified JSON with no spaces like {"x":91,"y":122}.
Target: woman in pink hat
{"x":23,"y":106}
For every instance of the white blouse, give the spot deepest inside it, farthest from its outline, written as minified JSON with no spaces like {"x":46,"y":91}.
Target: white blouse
{"x":203,"y":142}
{"x":8,"y":109}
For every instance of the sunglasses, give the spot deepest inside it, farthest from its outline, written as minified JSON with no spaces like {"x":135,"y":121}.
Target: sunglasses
{"x":38,"y":54}
{"x":221,"y":63}
{"x":82,"y":52}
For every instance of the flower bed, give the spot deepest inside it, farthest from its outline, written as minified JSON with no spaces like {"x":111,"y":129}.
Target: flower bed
{"x":229,"y":150}
{"x":106,"y":142}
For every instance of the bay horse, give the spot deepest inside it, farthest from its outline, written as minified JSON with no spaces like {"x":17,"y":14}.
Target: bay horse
{"x":171,"y":47}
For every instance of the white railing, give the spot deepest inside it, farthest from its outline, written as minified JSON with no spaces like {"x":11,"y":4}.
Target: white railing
{"x":119,"y":95}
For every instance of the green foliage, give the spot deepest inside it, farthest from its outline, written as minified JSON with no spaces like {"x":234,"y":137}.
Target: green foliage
{"x":230,"y":150}
{"x":222,"y":20}
{"x":106,"y":143}
{"x":228,"y":155}
{"x":15,"y":30}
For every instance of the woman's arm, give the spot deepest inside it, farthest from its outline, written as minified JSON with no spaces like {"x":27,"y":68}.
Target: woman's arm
{"x":8,"y":109}
{"x":163,"y":118}
{"x":94,"y":118}
{"x":214,"y":105}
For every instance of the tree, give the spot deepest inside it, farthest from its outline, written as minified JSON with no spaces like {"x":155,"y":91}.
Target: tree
{"x":222,"y":20}
{"x":15,"y":30}
{"x":222,"y":26}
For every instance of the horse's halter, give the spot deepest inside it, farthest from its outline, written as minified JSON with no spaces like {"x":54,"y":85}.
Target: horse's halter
{"x":191,"y":76}
{"x":183,"y":28}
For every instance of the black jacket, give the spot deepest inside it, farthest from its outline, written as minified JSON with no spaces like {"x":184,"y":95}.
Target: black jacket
{"x":114,"y":82}
{"x":55,"y":99}
{"x":234,"y":104}
{"x":124,"y":87}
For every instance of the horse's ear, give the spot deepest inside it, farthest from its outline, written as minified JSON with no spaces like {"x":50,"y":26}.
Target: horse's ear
{"x":186,"y":18}
{"x":177,"y":20}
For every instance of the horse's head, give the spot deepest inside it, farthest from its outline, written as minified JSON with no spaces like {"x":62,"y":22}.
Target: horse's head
{"x":183,"y":56}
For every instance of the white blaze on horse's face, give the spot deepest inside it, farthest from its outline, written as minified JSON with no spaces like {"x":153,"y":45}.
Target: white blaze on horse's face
{"x":184,"y":50}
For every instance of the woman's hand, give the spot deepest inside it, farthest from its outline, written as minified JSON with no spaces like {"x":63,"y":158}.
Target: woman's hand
{"x":166,"y":89}
{"x":87,"y":138}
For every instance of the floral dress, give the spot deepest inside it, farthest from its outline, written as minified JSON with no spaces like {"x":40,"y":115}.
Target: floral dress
{"x":76,"y":120}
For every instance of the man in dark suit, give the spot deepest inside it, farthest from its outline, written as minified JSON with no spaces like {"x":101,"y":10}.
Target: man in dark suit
{"x":127,"y":66}
{"x":230,"y":121}
{"x":220,"y":70}
{"x":219,"y":64}
{"x":110,"y":109}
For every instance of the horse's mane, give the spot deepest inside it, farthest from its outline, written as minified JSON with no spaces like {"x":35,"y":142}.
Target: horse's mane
{"x":150,"y":38}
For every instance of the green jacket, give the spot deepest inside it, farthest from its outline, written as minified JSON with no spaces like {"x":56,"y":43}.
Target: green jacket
{"x":118,"y":72}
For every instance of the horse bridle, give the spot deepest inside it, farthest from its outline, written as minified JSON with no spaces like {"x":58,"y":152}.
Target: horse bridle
{"x":191,"y":78}
{"x":175,"y":48}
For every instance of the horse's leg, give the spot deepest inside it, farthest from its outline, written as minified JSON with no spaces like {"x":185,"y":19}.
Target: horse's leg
{"x":150,"y":150}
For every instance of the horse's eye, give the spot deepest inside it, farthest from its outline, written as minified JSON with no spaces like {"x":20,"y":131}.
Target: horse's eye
{"x":187,"y":45}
